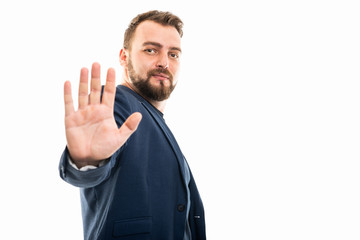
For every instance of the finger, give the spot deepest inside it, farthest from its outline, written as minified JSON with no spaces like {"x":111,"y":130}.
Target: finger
{"x":129,"y":126}
{"x":95,"y":90}
{"x":109,"y":89}
{"x":83,"y":88}
{"x":68,"y":101}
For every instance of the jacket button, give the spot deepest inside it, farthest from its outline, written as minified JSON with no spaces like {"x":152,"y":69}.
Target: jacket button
{"x":181,"y":207}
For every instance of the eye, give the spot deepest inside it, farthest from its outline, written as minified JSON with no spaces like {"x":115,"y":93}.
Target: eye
{"x":174,"y":55}
{"x":150,"y":51}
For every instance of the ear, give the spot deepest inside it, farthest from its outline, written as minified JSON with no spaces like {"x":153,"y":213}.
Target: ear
{"x":123,"y":57}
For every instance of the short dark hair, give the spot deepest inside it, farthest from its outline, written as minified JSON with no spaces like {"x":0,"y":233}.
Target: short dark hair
{"x":163,"y":18}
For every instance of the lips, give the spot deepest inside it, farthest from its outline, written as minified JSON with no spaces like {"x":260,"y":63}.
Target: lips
{"x":161,"y":76}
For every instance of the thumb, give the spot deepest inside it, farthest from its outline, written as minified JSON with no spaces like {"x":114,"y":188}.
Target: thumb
{"x":130,"y":125}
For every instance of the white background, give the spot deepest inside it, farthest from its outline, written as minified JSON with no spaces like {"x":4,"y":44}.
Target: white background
{"x":266,"y":112}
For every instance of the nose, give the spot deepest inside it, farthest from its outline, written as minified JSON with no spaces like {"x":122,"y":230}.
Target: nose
{"x":163,"y":61}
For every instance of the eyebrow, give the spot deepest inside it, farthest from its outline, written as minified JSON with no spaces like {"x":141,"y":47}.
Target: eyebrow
{"x":156,"y":44}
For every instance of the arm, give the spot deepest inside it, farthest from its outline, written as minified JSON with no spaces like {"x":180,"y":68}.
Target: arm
{"x":85,"y":179}
{"x":91,"y":132}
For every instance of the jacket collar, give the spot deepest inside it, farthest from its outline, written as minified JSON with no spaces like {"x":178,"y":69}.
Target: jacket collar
{"x":158,"y":117}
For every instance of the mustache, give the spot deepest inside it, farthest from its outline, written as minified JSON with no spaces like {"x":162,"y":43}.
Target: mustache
{"x":158,"y":71}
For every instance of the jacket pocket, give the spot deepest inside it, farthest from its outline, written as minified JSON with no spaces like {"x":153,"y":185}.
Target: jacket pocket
{"x":133,"y":226}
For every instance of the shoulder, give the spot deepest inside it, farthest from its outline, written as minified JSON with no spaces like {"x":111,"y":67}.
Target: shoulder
{"x":127,"y":98}
{"x":125,"y":103}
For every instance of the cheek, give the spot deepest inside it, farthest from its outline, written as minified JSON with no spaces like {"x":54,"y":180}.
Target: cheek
{"x":142,"y":66}
{"x":174,"y":69}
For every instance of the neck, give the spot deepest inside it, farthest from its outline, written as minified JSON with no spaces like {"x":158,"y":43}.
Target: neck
{"x":159,"y":105}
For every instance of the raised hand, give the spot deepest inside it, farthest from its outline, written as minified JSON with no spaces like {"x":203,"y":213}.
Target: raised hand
{"x":91,"y":132}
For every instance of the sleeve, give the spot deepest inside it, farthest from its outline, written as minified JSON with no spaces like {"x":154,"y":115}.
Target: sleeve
{"x":87,"y":167}
{"x":85,"y":179}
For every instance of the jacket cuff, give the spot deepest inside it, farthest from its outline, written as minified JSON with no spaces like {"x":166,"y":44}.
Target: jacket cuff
{"x":85,"y":179}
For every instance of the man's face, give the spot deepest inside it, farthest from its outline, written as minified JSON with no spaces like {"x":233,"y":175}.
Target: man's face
{"x":153,"y":60}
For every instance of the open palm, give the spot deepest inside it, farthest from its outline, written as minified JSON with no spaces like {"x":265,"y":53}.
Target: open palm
{"x":91,"y":132}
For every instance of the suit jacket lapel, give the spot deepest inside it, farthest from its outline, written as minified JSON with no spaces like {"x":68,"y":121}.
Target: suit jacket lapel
{"x":161,"y":123}
{"x":171,"y":139}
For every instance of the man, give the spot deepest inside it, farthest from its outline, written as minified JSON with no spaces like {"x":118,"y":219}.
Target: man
{"x":134,"y":181}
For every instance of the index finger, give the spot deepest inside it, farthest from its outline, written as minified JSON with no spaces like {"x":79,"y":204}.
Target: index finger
{"x":109,"y":89}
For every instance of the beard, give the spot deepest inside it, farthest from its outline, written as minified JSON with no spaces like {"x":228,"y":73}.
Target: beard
{"x":144,"y":87}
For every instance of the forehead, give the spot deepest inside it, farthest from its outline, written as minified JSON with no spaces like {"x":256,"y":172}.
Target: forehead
{"x":149,"y":31}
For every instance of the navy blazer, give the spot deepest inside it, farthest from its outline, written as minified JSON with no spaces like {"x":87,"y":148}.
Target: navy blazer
{"x":140,"y":193}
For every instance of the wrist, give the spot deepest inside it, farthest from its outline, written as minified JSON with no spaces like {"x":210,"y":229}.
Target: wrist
{"x":80,"y":164}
